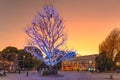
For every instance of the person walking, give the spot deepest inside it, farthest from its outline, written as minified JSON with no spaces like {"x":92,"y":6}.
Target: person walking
{"x":27,"y":73}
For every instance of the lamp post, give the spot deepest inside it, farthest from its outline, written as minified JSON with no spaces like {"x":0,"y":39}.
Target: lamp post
{"x":118,"y":64}
{"x":118,"y":67}
{"x":90,"y":65}
{"x":23,"y":61}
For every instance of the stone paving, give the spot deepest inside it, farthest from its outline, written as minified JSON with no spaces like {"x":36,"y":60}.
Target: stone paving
{"x":67,"y":76}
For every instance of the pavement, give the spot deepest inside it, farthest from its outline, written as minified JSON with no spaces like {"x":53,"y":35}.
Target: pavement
{"x":67,"y":75}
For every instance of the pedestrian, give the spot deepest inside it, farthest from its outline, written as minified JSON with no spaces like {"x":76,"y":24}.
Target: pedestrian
{"x":19,"y":71}
{"x":4,"y":73}
{"x":27,"y":73}
{"x":38,"y":70}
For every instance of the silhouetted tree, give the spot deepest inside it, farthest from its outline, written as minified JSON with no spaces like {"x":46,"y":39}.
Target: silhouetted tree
{"x":103,"y":62}
{"x":117,"y":60}
{"x":10,"y":53}
{"x":111,"y":44}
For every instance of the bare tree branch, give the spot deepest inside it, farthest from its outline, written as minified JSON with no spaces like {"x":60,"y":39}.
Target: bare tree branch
{"x":47,"y":34}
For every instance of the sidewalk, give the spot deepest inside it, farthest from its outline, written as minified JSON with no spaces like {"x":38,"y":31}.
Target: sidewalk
{"x":106,"y":76}
{"x":67,"y":76}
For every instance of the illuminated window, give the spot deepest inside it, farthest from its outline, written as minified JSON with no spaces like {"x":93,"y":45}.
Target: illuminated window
{"x":90,"y":62}
{"x":64,"y":62}
{"x":72,"y":62}
{"x":69,"y":62}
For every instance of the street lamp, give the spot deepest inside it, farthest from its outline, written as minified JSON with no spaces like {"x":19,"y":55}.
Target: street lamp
{"x":23,"y":61}
{"x":90,"y":65}
{"x":118,"y":64}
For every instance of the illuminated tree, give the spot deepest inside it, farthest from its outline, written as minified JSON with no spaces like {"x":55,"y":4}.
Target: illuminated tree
{"x":47,"y":36}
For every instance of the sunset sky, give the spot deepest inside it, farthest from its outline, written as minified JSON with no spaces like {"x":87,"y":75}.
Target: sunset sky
{"x":87,"y":22}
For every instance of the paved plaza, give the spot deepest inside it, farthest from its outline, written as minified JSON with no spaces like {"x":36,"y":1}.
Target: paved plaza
{"x":67,"y":76}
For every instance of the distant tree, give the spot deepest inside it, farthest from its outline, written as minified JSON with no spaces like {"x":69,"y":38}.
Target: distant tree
{"x":0,"y":55}
{"x":39,"y":64}
{"x":117,"y":58}
{"x":1,"y":64}
{"x":21,"y":58}
{"x":25,"y":60}
{"x":111,"y":44}
{"x":10,"y":53}
{"x":47,"y":36}
{"x":103,"y":62}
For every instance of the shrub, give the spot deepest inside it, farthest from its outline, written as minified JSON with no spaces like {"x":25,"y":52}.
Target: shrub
{"x":54,"y":72}
{"x":45,"y":72}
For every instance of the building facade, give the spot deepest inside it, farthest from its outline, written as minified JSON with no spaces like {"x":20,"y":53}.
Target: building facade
{"x":82,"y":63}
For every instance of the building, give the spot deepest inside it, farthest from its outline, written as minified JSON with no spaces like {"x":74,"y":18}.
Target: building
{"x":80,"y":63}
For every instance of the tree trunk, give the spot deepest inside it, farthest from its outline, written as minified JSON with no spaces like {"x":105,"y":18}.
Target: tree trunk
{"x":51,"y":69}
